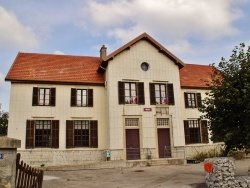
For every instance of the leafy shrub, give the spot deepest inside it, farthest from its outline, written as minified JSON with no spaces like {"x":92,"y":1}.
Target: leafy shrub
{"x":238,"y":154}
{"x":201,"y":156}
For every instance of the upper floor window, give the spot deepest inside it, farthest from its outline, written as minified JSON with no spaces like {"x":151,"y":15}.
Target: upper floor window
{"x":195,"y":131}
{"x":131,"y":92}
{"x":42,"y":134}
{"x":192,"y":100}
{"x":81,"y":133}
{"x":44,"y":96}
{"x":161,"y":93}
{"x":82,"y":97}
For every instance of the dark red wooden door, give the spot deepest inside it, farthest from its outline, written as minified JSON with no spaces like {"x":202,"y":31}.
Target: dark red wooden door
{"x":132,"y":144}
{"x":164,"y":143}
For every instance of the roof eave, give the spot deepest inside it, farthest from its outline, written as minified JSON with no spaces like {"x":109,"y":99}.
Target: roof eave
{"x":196,"y":87}
{"x":54,"y":82}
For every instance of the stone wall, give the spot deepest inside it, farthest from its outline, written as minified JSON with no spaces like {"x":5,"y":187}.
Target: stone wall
{"x":220,"y":173}
{"x":196,"y":149}
{"x":53,"y":157}
{"x":8,"y":151}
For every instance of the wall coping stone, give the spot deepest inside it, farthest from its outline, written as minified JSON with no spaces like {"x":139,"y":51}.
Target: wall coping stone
{"x":8,"y":143}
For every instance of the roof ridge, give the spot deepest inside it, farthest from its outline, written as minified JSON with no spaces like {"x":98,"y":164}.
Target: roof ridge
{"x":36,"y":53}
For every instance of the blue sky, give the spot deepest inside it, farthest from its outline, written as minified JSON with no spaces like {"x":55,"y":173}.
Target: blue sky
{"x":196,"y":31}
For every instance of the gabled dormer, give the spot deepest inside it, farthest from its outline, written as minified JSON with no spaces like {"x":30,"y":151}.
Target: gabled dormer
{"x":161,"y":49}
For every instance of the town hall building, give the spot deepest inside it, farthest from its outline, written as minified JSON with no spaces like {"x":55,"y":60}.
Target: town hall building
{"x":138,"y":102}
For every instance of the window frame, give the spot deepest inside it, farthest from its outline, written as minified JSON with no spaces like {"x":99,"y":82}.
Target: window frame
{"x":169,"y":93}
{"x":36,"y":96}
{"x":89,"y":97}
{"x":31,"y":134}
{"x":198,"y":127}
{"x":43,"y":133}
{"x":138,"y":99}
{"x":192,"y":102}
{"x":70,"y":134}
{"x":162,"y":96}
{"x":81,"y":133}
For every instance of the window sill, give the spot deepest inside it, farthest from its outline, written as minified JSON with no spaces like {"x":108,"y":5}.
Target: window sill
{"x":82,"y":148}
{"x":197,"y":144}
{"x":162,"y":105}
{"x":131,"y":104}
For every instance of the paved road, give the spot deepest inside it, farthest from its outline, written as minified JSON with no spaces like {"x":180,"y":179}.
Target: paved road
{"x":171,"y":176}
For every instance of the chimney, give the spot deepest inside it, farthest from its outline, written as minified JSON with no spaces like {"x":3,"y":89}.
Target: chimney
{"x":103,"y":52}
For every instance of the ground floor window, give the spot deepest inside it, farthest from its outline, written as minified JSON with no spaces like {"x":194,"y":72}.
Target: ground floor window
{"x":81,"y":133}
{"x":195,"y":131}
{"x":42,"y":134}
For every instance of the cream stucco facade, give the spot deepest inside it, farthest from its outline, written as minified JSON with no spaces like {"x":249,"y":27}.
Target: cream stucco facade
{"x":117,"y":123}
{"x":22,"y":110}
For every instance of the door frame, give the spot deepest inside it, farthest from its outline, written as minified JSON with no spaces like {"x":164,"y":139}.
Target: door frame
{"x":168,"y":140}
{"x":131,"y":127}
{"x":135,"y":151}
{"x":169,"y":126}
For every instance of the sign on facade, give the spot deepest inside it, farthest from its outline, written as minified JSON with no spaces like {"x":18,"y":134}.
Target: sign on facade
{"x":147,"y":109}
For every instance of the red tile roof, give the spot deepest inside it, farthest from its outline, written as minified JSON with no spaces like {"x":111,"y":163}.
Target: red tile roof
{"x":34,"y":67}
{"x":195,"y":76}
{"x":31,"y":67}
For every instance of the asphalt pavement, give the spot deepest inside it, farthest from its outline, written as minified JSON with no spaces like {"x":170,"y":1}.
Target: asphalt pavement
{"x":169,"y":176}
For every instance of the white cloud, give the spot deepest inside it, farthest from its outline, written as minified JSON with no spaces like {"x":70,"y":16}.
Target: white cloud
{"x":181,"y":46}
{"x":58,"y":52}
{"x":13,"y":34}
{"x":1,"y":79}
{"x":172,"y":19}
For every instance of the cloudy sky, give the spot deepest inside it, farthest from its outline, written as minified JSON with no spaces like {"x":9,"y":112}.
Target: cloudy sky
{"x":196,"y":31}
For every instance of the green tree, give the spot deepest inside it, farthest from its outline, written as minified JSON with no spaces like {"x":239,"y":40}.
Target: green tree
{"x":227,"y":105}
{"x":3,"y":123}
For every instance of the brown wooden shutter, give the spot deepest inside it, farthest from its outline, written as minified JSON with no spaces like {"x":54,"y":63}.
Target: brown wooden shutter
{"x":94,"y":134}
{"x":170,"y":94}
{"x":35,"y":96}
{"x":141,"y":98}
{"x":69,"y":133}
{"x":90,"y":97}
{"x":73,"y":97}
{"x":186,"y":99}
{"x":187,"y":132}
{"x":204,"y":132}
{"x":198,"y":97}
{"x":55,"y":134}
{"x":152,"y":93}
{"x":121,"y":93}
{"x":30,"y":131}
{"x":52,"y":96}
